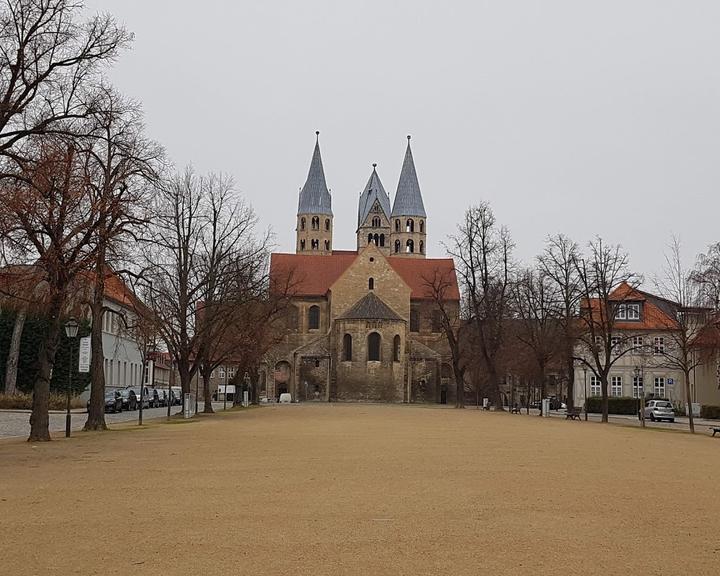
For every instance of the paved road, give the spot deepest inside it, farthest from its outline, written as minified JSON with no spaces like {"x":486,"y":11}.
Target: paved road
{"x":16,"y":423}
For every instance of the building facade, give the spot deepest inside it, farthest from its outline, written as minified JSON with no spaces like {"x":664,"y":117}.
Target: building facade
{"x":360,"y":325}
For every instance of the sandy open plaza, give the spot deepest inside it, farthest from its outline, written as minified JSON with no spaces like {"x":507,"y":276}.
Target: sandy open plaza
{"x":363,"y":489}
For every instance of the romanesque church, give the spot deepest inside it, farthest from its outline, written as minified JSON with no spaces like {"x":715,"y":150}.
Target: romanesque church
{"x":362,"y":324}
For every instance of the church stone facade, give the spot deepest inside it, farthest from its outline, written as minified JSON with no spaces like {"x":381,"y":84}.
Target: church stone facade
{"x":361,"y":325}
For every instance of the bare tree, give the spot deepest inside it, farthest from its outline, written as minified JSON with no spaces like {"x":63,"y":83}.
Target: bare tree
{"x":687,"y":318}
{"x":49,"y":63}
{"x":483,"y":251}
{"x":599,"y":346}
{"x":559,"y":264}
{"x":539,"y":330}
{"x":439,"y":287}
{"x":49,"y":218}
{"x":121,"y":165}
{"x":706,"y":277}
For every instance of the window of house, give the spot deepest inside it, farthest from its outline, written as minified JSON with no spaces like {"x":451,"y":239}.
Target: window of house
{"x":595,"y":388}
{"x":327,"y":224}
{"x":396,"y":348}
{"x":637,"y":387}
{"x":436,"y":321}
{"x":371,"y":283}
{"x":231,"y":373}
{"x":373,"y":347}
{"x":659,"y":387}
{"x":409,"y":246}
{"x":616,"y":341}
{"x":314,"y":318}
{"x":633,"y":311}
{"x":347,"y":348}
{"x":658,"y":345}
{"x":598,"y":341}
{"x":414,"y":320}
{"x":616,"y":386}
{"x":620,"y":312}
{"x":397,"y":246}
{"x":221,"y":372}
{"x":409,"y":225}
{"x":638,"y":341}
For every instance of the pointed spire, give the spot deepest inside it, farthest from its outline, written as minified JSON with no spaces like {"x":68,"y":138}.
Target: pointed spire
{"x":373,"y":191}
{"x":315,"y":197}
{"x":408,"y":199}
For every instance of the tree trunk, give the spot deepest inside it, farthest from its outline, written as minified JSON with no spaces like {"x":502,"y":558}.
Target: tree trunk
{"x":39,"y":418}
{"x":96,"y":412}
{"x":13,"y":358}
{"x":207,"y":397}
{"x":495,"y":389}
{"x":688,"y":400}
{"x":604,"y":392}
{"x":570,"y":382}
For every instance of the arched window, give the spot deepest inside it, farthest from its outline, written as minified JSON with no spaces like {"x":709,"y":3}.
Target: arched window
{"x":409,"y":225}
{"x":302,"y":223}
{"x":371,"y":284}
{"x":302,"y":244}
{"x":382,"y":239}
{"x":422,"y":226}
{"x":409,"y":246}
{"x":315,"y":244}
{"x":397,"y":246}
{"x":396,"y":348}
{"x":315,"y":223}
{"x":327,"y":224}
{"x":327,"y":244}
{"x":370,"y":238}
{"x":376,"y":239}
{"x":314,"y":318}
{"x":376,"y":222}
{"x":373,"y":347}
{"x":397,"y":225}
{"x":422,"y":247}
{"x":347,"y":348}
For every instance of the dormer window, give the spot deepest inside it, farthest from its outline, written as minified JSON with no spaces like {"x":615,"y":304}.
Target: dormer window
{"x":627,"y":311}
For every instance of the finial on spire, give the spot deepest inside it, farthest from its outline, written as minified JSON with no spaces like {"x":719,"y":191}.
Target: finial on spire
{"x":408,"y":137}
{"x":374,"y":165}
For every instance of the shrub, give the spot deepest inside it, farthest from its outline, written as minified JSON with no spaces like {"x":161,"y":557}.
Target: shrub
{"x":616,"y":405}
{"x":710,"y":412}
{"x":24,"y":402}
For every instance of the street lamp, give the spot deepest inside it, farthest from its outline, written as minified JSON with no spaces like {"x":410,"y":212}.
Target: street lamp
{"x":246,"y":386}
{"x":71,"y":330}
{"x":586,"y":398}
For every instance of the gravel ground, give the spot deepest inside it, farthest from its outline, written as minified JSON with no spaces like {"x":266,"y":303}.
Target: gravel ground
{"x":363,"y":490}
{"x":16,"y":424}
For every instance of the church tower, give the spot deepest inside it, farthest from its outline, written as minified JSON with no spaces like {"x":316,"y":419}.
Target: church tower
{"x":374,"y":215}
{"x":408,"y":218}
{"x":314,"y":215}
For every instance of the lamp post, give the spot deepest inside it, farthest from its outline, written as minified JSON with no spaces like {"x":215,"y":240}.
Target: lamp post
{"x":71,"y":330}
{"x":586,"y":397}
{"x":246,"y":386}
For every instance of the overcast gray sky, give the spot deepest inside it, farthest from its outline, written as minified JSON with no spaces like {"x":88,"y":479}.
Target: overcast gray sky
{"x":567,"y":116}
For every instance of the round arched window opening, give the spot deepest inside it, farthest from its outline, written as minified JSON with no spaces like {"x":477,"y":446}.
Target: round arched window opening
{"x":371,"y":284}
{"x":373,"y":347}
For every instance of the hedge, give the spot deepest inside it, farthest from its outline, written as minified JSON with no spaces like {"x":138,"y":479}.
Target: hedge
{"x":710,"y":412}
{"x":616,"y":405}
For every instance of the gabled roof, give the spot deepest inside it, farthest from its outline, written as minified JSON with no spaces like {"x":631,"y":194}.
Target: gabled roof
{"x":315,"y":197}
{"x":370,"y":307}
{"x":374,"y":191}
{"x":408,"y":199}
{"x":312,"y":275}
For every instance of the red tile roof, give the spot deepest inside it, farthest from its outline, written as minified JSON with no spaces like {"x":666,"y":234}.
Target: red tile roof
{"x":652,"y":317}
{"x":312,"y":275}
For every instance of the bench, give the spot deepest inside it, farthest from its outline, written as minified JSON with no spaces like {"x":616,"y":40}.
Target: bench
{"x":515,"y":410}
{"x":715,"y":429}
{"x":573,"y":413}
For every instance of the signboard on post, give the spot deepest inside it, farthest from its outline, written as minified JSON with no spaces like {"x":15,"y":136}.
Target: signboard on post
{"x":84,"y":355}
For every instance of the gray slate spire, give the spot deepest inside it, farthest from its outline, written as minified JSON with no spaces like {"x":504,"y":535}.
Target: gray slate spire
{"x":408,"y":200}
{"x":373,"y":191}
{"x":315,"y":196}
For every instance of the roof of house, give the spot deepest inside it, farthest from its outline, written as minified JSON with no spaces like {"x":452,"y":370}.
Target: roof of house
{"x":408,"y":199}
{"x":312,"y":275}
{"x":374,"y":191}
{"x":315,"y":197}
{"x":370,"y":307}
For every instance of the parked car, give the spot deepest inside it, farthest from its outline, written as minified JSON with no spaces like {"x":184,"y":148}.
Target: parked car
{"x":113,"y":401}
{"x":129,"y":399}
{"x":162,"y":397}
{"x":176,"y":392}
{"x":659,"y":410}
{"x":145,"y":396}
